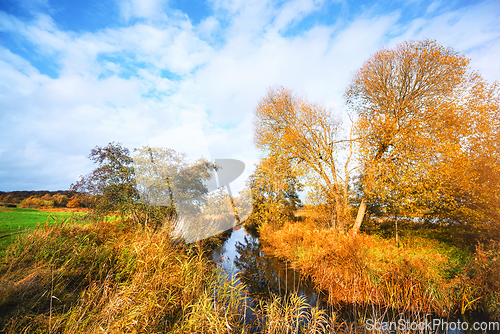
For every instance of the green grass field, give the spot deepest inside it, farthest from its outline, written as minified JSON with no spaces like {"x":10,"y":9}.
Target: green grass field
{"x":14,"y":221}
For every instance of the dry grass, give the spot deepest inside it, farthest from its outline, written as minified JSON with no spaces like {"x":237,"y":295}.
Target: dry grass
{"x":106,"y":277}
{"x":479,"y":286}
{"x":85,"y":210}
{"x":114,"y":278}
{"x":412,"y":277}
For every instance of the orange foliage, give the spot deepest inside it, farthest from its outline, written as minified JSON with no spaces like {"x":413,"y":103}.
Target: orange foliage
{"x":424,"y":120}
{"x":74,"y":203}
{"x":307,"y":137}
{"x":364,"y":269}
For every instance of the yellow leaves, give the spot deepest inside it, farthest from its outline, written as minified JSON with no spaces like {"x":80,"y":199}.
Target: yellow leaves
{"x":306,"y":136}
{"x":423,"y":116}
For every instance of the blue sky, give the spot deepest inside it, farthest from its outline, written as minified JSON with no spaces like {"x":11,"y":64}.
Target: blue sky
{"x":76,"y":74}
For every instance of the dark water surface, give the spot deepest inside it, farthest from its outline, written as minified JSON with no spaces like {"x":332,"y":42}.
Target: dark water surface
{"x":263,"y":275}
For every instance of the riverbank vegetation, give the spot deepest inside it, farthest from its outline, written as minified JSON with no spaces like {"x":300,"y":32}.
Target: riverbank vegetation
{"x":401,"y":217}
{"x":107,"y":276}
{"x":421,"y":156}
{"x":419,"y":274}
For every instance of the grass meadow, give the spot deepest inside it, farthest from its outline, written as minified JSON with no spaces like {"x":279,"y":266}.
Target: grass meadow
{"x":14,"y":221}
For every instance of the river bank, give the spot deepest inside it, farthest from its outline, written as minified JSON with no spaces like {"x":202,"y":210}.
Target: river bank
{"x":417,"y":274}
{"x":408,"y":281}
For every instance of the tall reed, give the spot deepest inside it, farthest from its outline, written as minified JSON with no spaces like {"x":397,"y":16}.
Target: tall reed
{"x":368,"y":270}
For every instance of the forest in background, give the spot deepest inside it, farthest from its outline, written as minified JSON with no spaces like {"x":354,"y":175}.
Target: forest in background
{"x":42,"y":199}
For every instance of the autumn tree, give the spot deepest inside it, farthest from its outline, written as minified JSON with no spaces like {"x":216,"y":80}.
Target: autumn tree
{"x":73,"y":203}
{"x":308,"y":138}
{"x":165,"y":178}
{"x":60,"y":200}
{"x":149,"y":187}
{"x":474,"y":191}
{"x":274,"y":190}
{"x":419,"y":108}
{"x":218,"y":205}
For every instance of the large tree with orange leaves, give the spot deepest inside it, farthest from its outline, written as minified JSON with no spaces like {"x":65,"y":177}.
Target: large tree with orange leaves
{"x":427,"y":130}
{"x":308,"y":138}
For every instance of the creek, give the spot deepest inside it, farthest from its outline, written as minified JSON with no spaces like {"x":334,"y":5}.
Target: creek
{"x":242,"y":255}
{"x":264,"y":275}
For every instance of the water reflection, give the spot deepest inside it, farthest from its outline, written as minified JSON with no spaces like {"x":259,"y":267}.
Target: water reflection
{"x":263,"y":275}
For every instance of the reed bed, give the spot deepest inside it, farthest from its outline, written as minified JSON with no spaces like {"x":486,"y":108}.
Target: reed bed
{"x":112,"y":277}
{"x":107,"y":277}
{"x":417,"y":276}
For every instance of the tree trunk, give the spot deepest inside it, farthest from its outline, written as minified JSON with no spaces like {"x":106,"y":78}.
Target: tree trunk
{"x":360,"y":216}
{"x":396,"y":222}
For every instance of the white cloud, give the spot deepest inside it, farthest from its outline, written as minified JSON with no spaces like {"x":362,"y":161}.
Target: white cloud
{"x":317,"y":64}
{"x":141,"y":8}
{"x":189,"y":139}
{"x":473,"y":30}
{"x":207,"y":28}
{"x":294,"y":11}
{"x":18,"y":74}
{"x":433,"y":7}
{"x":139,"y":80}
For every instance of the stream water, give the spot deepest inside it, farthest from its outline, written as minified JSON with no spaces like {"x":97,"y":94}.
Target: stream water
{"x":264,"y":275}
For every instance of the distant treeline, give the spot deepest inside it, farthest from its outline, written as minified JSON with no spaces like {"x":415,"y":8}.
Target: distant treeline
{"x":42,"y":199}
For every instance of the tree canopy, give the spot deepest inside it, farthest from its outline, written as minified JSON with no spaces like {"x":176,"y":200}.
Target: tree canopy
{"x":419,"y":108}
{"x":425,"y":138}
{"x":307,"y":138}
{"x":274,"y":190}
{"x":111,"y":184}
{"x":150,"y":186}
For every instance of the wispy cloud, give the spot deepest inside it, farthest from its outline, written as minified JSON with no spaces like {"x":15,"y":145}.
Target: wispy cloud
{"x":153,"y":69}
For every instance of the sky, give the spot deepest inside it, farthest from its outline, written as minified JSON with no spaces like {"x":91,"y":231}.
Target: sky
{"x":188,"y":75}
